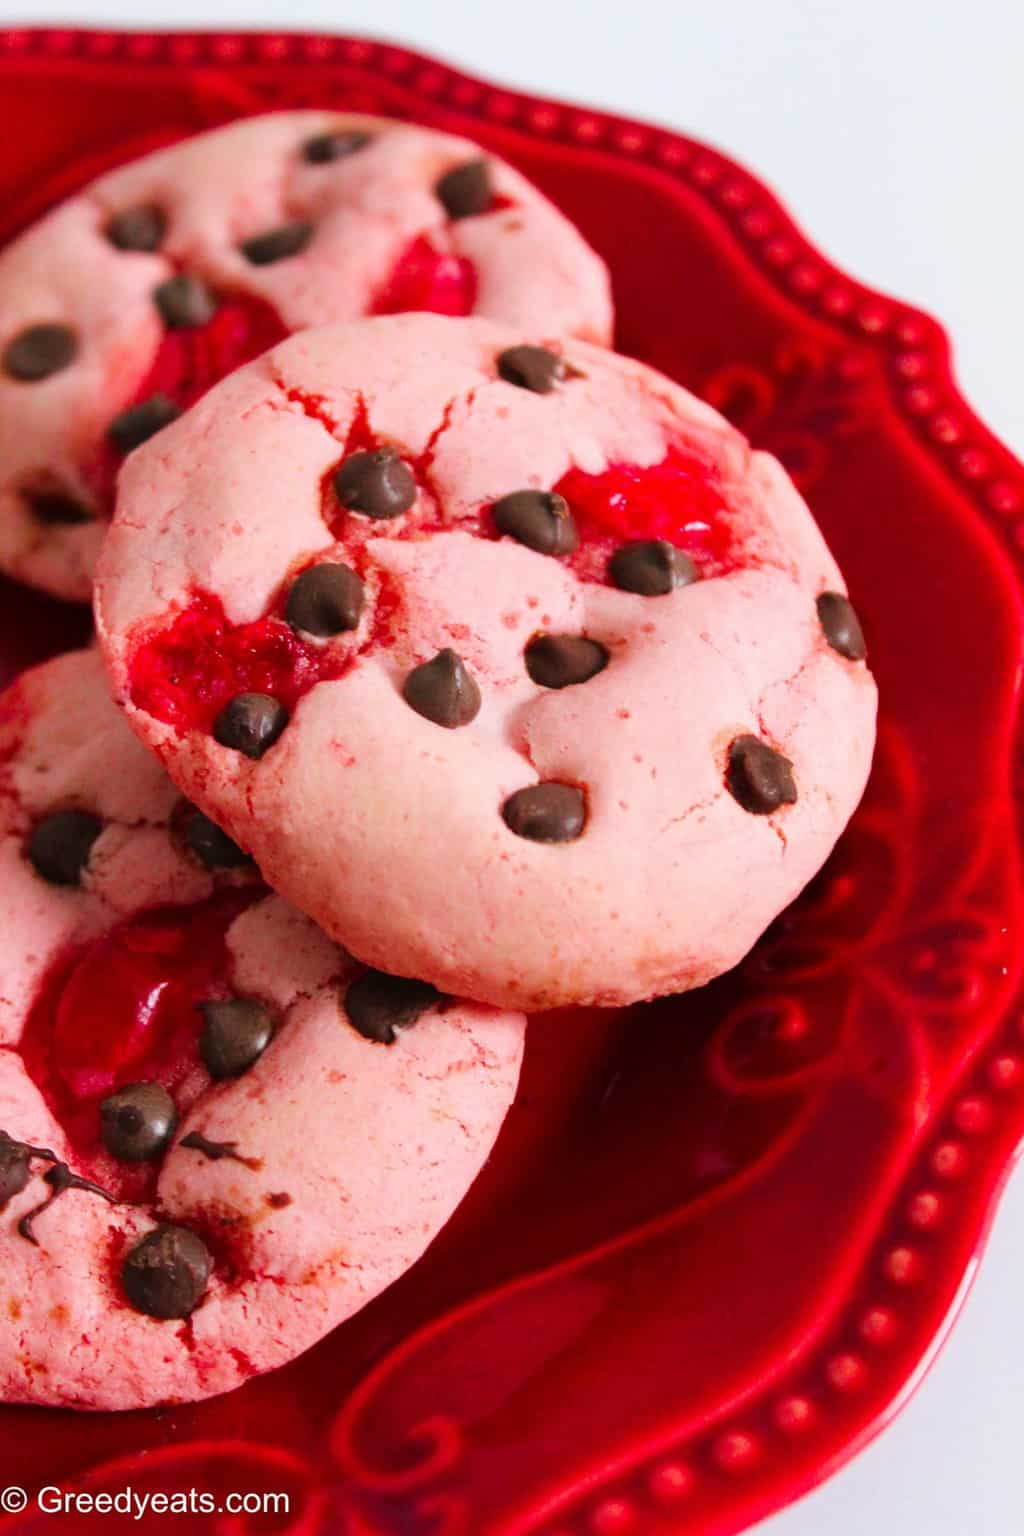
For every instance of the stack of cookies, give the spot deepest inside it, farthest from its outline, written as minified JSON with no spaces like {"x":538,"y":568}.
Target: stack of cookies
{"x":450,"y":667}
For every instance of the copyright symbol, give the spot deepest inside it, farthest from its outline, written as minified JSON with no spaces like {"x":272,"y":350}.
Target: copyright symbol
{"x":13,"y":1500}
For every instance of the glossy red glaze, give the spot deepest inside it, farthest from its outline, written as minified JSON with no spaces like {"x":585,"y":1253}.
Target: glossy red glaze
{"x":426,"y":278}
{"x":718,"y":1236}
{"x":185,"y":674}
{"x":126,"y":1009}
{"x":190,"y":361}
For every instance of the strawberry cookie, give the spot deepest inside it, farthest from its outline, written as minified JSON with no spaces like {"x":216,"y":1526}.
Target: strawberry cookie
{"x":219,"y":1136}
{"x":124,"y":304}
{"x":512,"y":664}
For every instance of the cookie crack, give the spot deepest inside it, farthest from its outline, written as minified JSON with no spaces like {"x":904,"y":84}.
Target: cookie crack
{"x":313,"y":406}
{"x":783,"y":683}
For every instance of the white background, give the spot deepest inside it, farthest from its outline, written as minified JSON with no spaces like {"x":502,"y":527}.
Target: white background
{"x":894,"y":130}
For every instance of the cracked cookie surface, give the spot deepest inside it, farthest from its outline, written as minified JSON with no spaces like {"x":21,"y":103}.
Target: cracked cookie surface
{"x":120,"y":307}
{"x":219,"y":1135}
{"x":508,"y":659}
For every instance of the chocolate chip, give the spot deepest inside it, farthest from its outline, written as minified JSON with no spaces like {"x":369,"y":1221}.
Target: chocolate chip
{"x":841,"y":626}
{"x":211,"y":846}
{"x":466,"y":189}
{"x":250,"y":723}
{"x":379,"y":1005}
{"x":15,"y":1172}
{"x":15,"y":1168}
{"x":56,"y":509}
{"x":442,"y":690}
{"x":325,"y":147}
{"x":39,"y":351}
{"x":15,"y":1165}
{"x":60,"y":845}
{"x":760,"y":778}
{"x":137,"y":229}
{"x":651,"y":567}
{"x":235,"y":1034}
{"x":539,"y":519}
{"x":166,"y":1274}
{"x":532,"y":368}
{"x":140,"y":422}
{"x":184,"y":302}
{"x":325,"y":600}
{"x":558,"y":661}
{"x":277,"y":244}
{"x":137,"y":1121}
{"x":546,"y":813}
{"x":376,"y":482}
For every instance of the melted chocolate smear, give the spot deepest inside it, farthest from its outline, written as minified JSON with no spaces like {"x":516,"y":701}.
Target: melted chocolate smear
{"x":215,"y":1150}
{"x":60,"y":1179}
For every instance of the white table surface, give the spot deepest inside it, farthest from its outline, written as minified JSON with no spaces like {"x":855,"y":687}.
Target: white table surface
{"x":893,"y":129}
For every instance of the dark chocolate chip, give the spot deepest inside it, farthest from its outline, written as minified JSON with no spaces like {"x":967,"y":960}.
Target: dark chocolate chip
{"x":539,"y":519}
{"x":841,"y":626}
{"x":277,"y":244}
{"x":323,"y":148}
{"x":651,"y":567}
{"x":546,"y":813}
{"x":211,"y":846}
{"x":15,"y":1165}
{"x":376,"y":482}
{"x":760,"y":778}
{"x":250,"y":723}
{"x":137,"y":1121}
{"x":184,"y":302}
{"x":166,"y":1274}
{"x":325,"y":600}
{"x":466,"y":189}
{"x":15,"y":1172}
{"x":558,"y":661}
{"x":15,"y":1168}
{"x":60,"y":845}
{"x":442,"y":690}
{"x":379,"y":1005}
{"x":235,"y":1034}
{"x":39,"y":351}
{"x":137,"y":229}
{"x":140,"y":422}
{"x":56,"y":509}
{"x":533,"y":368}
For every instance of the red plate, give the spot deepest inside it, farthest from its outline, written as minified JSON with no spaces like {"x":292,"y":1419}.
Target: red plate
{"x":720,"y":1237}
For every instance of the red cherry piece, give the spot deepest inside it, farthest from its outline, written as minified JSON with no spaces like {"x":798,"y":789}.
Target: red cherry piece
{"x":425,"y":278}
{"x":188,"y":362}
{"x":678,"y":499}
{"x":187,"y":673}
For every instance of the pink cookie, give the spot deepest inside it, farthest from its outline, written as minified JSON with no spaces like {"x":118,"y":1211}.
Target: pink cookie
{"x":125,"y":303}
{"x":218,"y":1136}
{"x":516,"y":669}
